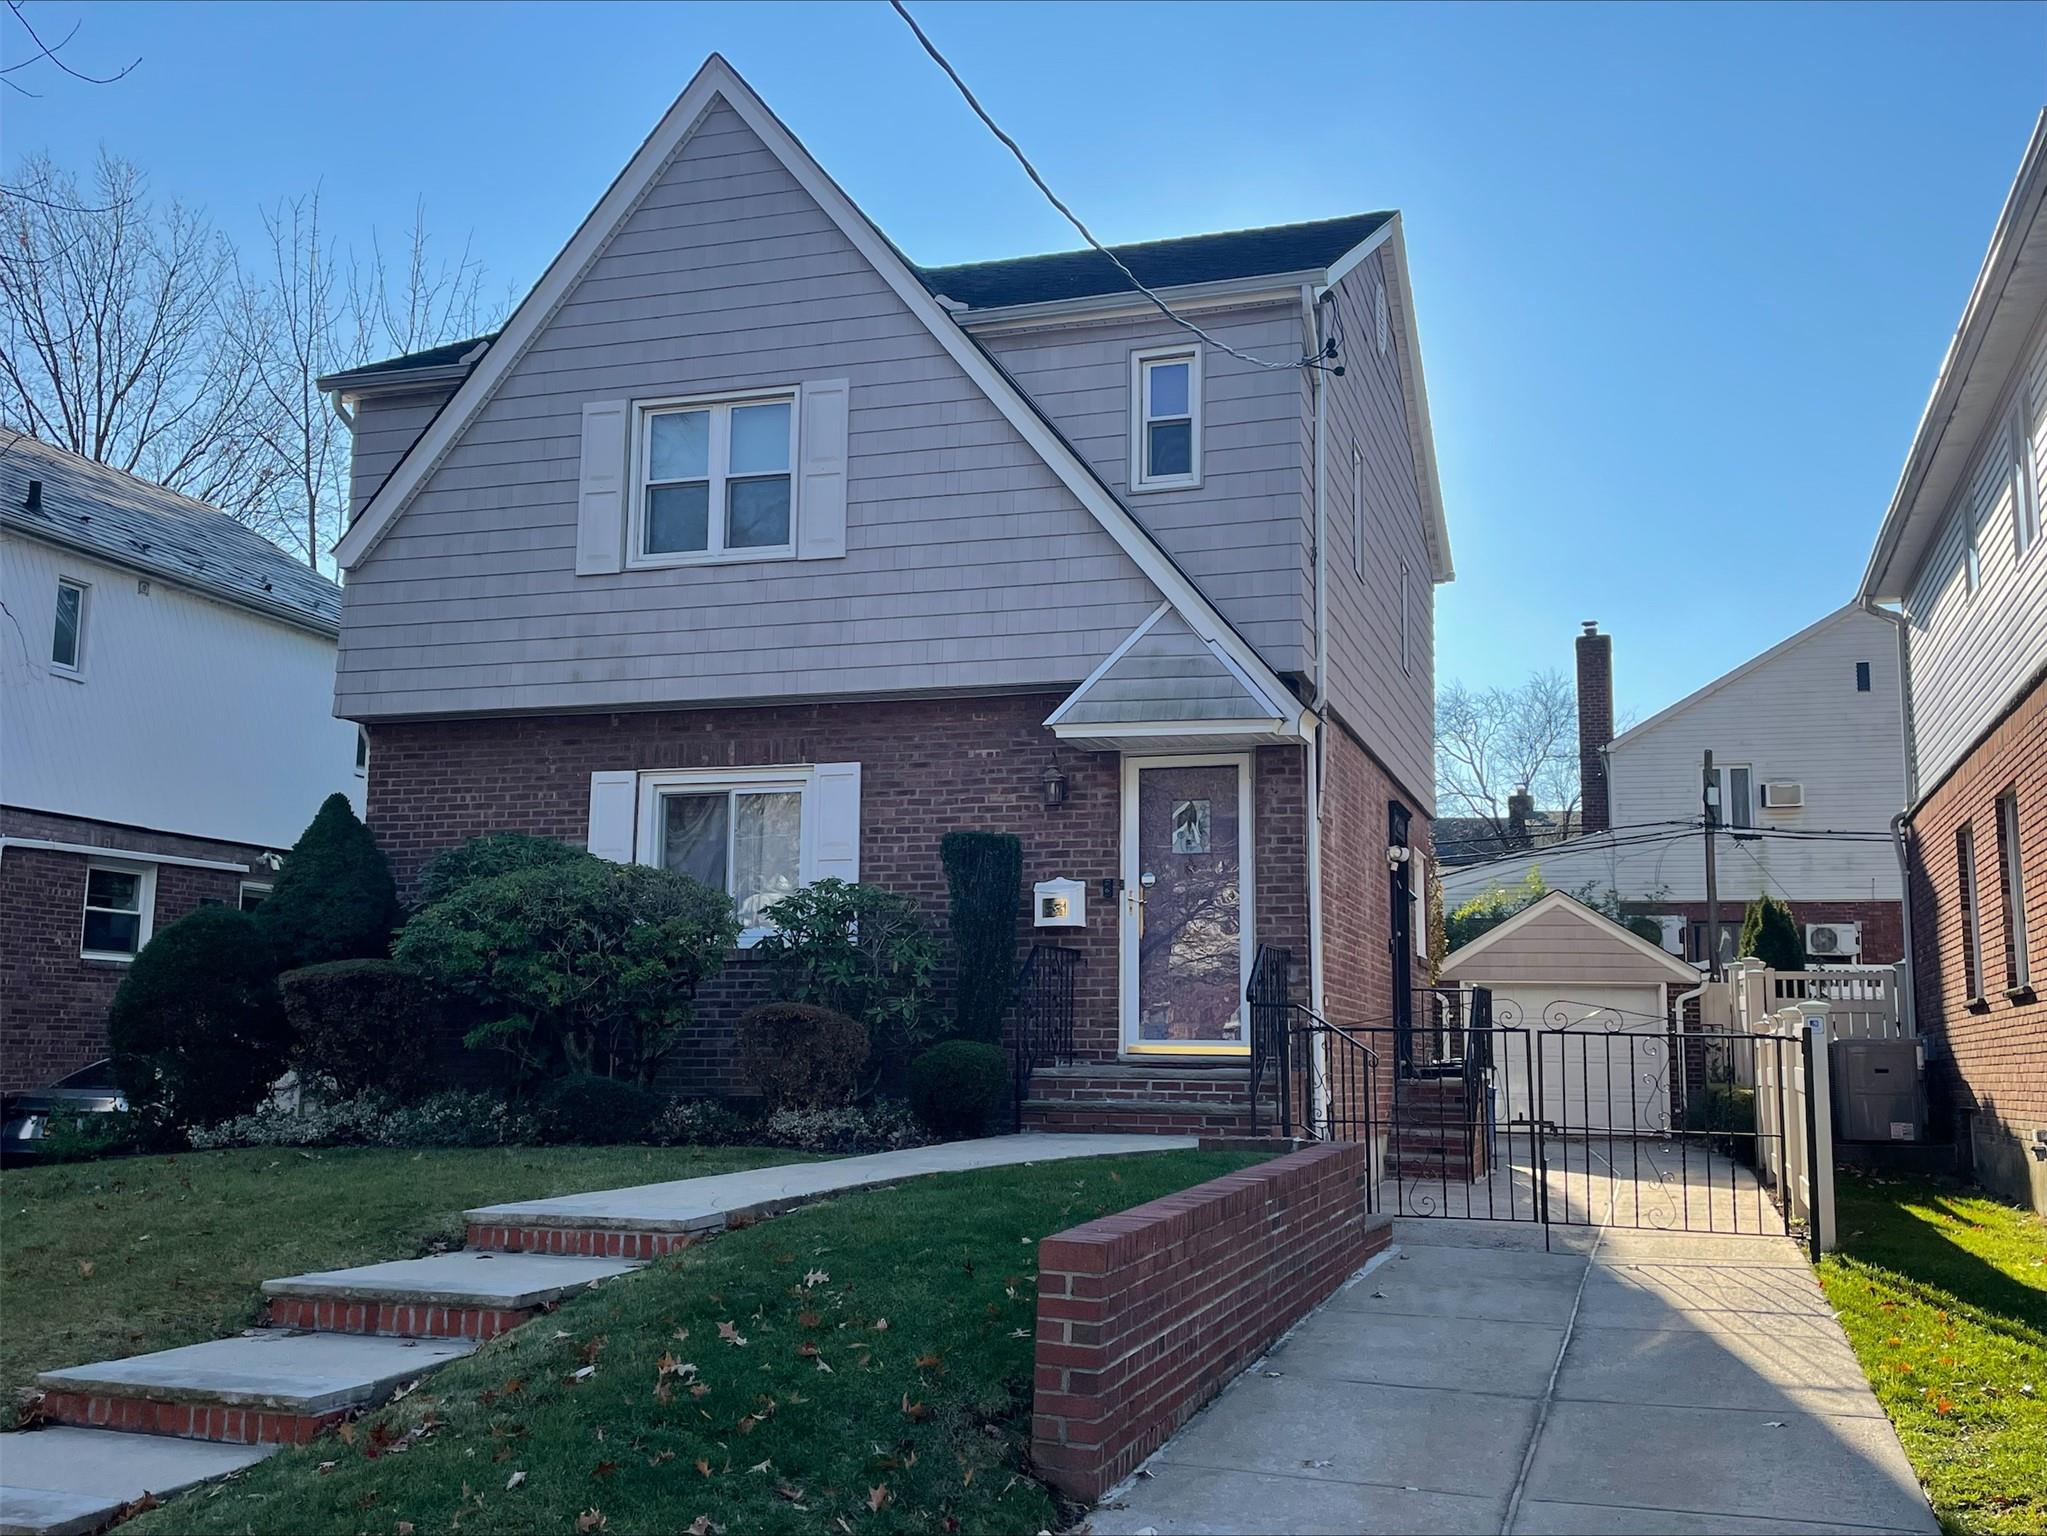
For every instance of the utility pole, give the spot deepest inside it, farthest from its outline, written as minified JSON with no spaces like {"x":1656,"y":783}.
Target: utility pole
{"x":1709,"y":795}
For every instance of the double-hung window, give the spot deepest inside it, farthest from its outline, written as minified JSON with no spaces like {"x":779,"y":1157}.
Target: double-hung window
{"x":2018,"y":968}
{"x":67,"y":640}
{"x":119,"y":902}
{"x":1737,"y":796}
{"x":739,"y":833}
{"x":1972,"y":926}
{"x":1165,"y":427}
{"x":715,"y":480}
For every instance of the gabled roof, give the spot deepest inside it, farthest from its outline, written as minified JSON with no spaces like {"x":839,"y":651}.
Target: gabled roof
{"x":1165,"y":680}
{"x":718,"y":82}
{"x":451,"y":359}
{"x":126,"y":521}
{"x":1559,"y":901}
{"x":1237,"y":253}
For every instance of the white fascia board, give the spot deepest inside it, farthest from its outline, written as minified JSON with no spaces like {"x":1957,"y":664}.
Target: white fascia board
{"x":1104,"y":730}
{"x":1231,"y":293}
{"x":1351,"y":259}
{"x":1457,"y":958}
{"x":93,"y":850}
{"x":1414,"y":390}
{"x":718,"y":81}
{"x":1669,"y":712}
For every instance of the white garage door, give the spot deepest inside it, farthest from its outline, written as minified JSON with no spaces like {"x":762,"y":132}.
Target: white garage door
{"x":1605,"y":1061}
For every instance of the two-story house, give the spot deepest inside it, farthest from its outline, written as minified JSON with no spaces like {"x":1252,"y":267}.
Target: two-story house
{"x":1804,"y":739}
{"x":166,"y":731}
{"x":750,"y":548}
{"x":1959,"y":559}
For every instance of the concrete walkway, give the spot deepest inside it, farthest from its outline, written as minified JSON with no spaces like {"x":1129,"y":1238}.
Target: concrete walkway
{"x":695,"y":1205}
{"x":1627,"y":1383}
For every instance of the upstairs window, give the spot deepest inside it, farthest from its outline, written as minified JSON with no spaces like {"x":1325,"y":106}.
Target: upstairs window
{"x":1862,"y":677}
{"x":1735,"y":786}
{"x":1972,"y":565}
{"x":2018,"y":968}
{"x":2025,"y":506}
{"x":1406,"y":621}
{"x":119,"y":900}
{"x":1357,"y":509}
{"x":1165,"y":394}
{"x":715,"y":481}
{"x":67,"y":643}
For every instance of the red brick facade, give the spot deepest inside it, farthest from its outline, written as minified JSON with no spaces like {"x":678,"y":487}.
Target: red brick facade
{"x":1883,"y":922}
{"x":1992,"y":1069}
{"x":1145,"y":1316}
{"x":53,"y":1002}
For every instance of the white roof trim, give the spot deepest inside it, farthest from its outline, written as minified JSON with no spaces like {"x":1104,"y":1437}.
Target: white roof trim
{"x":718,"y":81}
{"x":94,"y":851}
{"x":1678,"y":969}
{"x":1351,"y":259}
{"x":1775,"y":651}
{"x":1414,"y":392}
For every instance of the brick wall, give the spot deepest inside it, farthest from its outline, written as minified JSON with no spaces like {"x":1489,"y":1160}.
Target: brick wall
{"x":1883,"y":922}
{"x":1993,"y":1071}
{"x":928,"y":767}
{"x":1145,"y":1316}
{"x":53,"y":1002}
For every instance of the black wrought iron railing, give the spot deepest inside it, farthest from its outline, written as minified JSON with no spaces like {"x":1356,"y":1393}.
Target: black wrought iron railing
{"x":1041,"y":1017}
{"x":1290,"y":1043}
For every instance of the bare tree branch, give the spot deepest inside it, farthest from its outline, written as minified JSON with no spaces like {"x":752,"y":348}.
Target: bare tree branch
{"x":1491,"y":743}
{"x":53,"y":52}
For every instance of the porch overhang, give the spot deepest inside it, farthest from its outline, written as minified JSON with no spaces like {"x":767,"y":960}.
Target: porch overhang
{"x":1186,"y":735}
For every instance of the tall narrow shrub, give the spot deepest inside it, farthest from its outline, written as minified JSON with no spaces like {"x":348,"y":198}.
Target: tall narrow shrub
{"x":984,"y":872}
{"x":334,"y":898}
{"x":1770,"y":934}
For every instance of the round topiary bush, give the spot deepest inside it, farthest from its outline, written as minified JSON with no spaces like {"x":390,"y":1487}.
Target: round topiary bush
{"x":334,"y":898}
{"x":584,"y":1109}
{"x":495,"y":853}
{"x":957,"y":1087}
{"x":367,"y":1026}
{"x":801,"y":1056}
{"x":197,"y":1029}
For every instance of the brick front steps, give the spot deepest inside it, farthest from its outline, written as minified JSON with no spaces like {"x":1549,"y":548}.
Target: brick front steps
{"x":585,"y":1242}
{"x":1435,"y":1133}
{"x":469,"y":1295}
{"x":1141,"y":1099}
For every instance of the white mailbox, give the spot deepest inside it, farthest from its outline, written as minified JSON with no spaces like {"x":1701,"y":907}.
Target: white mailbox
{"x":1059,"y":904}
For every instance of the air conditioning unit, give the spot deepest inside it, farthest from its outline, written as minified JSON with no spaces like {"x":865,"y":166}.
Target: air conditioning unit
{"x":1833,"y":941}
{"x":1783,"y":797}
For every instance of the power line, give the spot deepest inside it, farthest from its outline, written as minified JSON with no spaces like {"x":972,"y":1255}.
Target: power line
{"x":1316,"y":361}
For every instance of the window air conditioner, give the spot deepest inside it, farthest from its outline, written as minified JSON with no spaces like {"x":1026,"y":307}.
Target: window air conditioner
{"x":1783,"y":797}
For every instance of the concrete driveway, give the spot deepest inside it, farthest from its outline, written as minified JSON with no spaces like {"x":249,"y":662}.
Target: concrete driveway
{"x":1474,"y":1383}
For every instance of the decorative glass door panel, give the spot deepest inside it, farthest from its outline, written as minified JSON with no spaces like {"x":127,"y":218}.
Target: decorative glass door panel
{"x":1187,"y":904}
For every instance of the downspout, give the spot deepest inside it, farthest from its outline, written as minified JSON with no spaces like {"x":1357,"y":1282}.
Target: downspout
{"x":1908,"y":1004}
{"x":341,"y":412}
{"x":1311,"y":319}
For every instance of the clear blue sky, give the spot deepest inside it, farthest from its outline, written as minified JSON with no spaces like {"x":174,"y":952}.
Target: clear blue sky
{"x":1684,"y":273}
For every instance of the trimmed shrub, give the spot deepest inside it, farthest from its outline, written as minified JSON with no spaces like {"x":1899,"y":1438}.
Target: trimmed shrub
{"x":197,"y":1030}
{"x":859,"y":950}
{"x":334,"y":898}
{"x":482,"y":858}
{"x":1770,"y":934}
{"x":364,"y":1025}
{"x":956,"y":1088}
{"x":984,"y":874}
{"x":581,"y":966}
{"x":886,"y":1125}
{"x":586,"y":1110}
{"x":451,"y":1119}
{"x":801,"y":1056}
{"x":700,"y":1123}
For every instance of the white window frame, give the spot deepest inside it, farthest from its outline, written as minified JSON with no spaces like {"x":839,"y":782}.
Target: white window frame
{"x":1723,"y":775}
{"x":76,"y":669}
{"x":1972,"y":911}
{"x":717,"y":471}
{"x":243,"y":888}
{"x":1406,"y":645}
{"x":2018,"y":966}
{"x":799,"y":780}
{"x":2025,"y":506}
{"x":362,"y":752}
{"x":1972,"y":557}
{"x":1141,"y":363}
{"x":1357,"y":509}
{"x":145,"y":903}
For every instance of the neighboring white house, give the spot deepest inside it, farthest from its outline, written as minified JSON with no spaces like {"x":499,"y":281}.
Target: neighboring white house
{"x":1805,"y":741}
{"x":166,"y":728}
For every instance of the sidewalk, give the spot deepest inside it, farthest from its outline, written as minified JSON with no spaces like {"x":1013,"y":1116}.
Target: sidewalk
{"x":1646,"y":1383}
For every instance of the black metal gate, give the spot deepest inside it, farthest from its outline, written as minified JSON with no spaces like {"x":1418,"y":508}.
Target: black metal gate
{"x":1585,"y":1115}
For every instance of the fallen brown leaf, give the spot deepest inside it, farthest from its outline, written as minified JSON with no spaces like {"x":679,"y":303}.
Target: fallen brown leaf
{"x":877,"y":1496}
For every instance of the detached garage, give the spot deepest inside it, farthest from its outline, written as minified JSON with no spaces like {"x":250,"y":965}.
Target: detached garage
{"x":1592,"y":998}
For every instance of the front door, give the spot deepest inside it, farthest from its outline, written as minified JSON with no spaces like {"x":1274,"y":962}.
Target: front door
{"x":1186,"y":917}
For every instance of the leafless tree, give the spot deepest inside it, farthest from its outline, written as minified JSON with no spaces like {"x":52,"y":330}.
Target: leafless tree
{"x":1492,"y":742}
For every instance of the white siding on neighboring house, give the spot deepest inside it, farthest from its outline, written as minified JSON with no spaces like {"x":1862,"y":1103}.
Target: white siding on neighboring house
{"x":1795,"y":717}
{"x":968,"y":565}
{"x":1972,"y":653}
{"x":188,"y":715}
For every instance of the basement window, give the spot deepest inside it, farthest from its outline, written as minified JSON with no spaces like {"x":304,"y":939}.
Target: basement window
{"x":1165,"y":428}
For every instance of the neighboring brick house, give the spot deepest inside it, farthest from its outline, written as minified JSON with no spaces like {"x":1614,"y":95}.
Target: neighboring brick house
{"x":1804,"y":740}
{"x":1960,"y":554}
{"x":750,"y":548}
{"x":166,"y":729}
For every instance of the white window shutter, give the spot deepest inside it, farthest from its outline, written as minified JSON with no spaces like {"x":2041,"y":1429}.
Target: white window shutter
{"x":835,"y":809}
{"x":601,"y":489}
{"x":614,"y":797}
{"x":821,"y":498}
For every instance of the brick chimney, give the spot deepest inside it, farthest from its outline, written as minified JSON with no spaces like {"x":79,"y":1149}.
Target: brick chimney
{"x":1595,"y":726}
{"x":1520,"y":806}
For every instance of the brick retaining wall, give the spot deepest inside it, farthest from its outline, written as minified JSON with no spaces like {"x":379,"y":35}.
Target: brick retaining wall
{"x":1145,"y":1316}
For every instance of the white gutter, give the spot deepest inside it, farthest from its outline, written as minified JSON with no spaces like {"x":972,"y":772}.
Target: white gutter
{"x":1908,"y":1011}
{"x":133,"y":856}
{"x":1311,"y":296}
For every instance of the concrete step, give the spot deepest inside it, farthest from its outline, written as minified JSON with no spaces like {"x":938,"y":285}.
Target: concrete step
{"x":466,"y":1295}
{"x":62,"y":1481}
{"x":265,"y":1386}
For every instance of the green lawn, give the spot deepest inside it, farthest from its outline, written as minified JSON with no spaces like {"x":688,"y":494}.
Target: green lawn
{"x":1943,"y":1293}
{"x":128,"y":1255}
{"x":857,"y":1366}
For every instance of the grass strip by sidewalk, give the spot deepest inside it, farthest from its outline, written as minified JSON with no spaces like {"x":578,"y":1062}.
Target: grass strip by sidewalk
{"x":859,"y":1366}
{"x":127,"y":1255}
{"x":1943,"y":1293}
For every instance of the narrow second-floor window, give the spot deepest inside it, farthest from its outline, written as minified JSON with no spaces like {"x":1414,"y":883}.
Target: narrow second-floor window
{"x":2018,"y":968}
{"x":1862,"y":677}
{"x":1406,"y":621}
{"x":1357,"y":509}
{"x":715,"y":481}
{"x":2025,"y":506}
{"x":1165,"y":392}
{"x":1965,"y":885}
{"x":1972,"y":566}
{"x":67,"y":643}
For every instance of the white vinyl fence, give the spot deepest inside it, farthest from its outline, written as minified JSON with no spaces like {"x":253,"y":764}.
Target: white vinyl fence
{"x":1795,"y":1133}
{"x":1862,"y":999}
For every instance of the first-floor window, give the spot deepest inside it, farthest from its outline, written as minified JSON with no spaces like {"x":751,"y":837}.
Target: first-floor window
{"x":2018,"y":969}
{"x":118,"y":899}
{"x":1972,"y":949}
{"x":252,"y":894}
{"x":744,"y":839}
